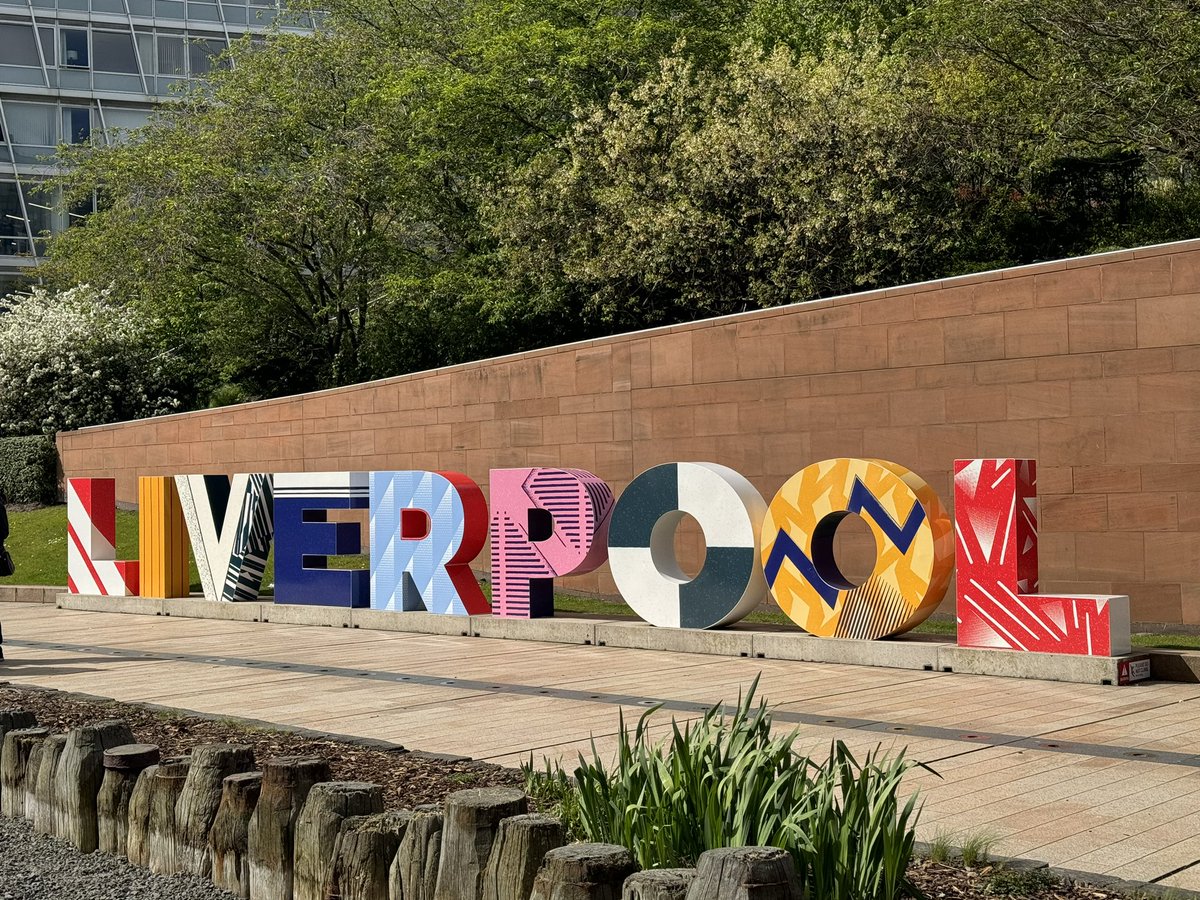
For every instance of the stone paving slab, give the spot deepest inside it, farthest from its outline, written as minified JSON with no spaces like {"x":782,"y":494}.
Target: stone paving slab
{"x":1050,"y":769}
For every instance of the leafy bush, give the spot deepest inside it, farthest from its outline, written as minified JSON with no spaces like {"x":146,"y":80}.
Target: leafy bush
{"x":29,"y":469}
{"x":78,"y":357}
{"x":728,"y":782}
{"x":1021,"y":882}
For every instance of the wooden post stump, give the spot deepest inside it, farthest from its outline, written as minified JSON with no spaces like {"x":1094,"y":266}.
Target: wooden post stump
{"x":137,"y":841}
{"x":363,"y":854}
{"x":271,"y":836}
{"x":77,"y":780}
{"x":14,"y":768}
{"x":165,"y":790}
{"x":201,"y":798}
{"x":521,"y":844}
{"x":227,"y":839}
{"x":658,"y":884}
{"x":43,"y":807}
{"x":471,"y":820}
{"x":12,"y":718}
{"x":31,"y":777}
{"x":413,"y":875}
{"x":122,"y":766}
{"x":745,"y":873}
{"x":583,"y":872}
{"x":328,"y":805}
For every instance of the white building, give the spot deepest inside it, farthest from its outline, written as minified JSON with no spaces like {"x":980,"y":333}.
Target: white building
{"x":78,"y":70}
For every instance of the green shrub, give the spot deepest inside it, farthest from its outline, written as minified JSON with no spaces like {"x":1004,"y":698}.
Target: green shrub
{"x":1021,"y":882}
{"x":29,"y":469}
{"x":728,"y":782}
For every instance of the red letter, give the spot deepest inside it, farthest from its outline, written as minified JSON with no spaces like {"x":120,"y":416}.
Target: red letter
{"x":995,"y":523}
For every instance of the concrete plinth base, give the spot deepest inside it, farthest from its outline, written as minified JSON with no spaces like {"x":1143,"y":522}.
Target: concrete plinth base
{"x":28,"y":593}
{"x":554,"y":630}
{"x":1043,"y":666}
{"x":920,"y":652}
{"x":304,"y":614}
{"x":642,"y":636}
{"x":897,"y":654}
{"x":145,"y":606}
{"x":196,"y":608}
{"x":412,"y":622}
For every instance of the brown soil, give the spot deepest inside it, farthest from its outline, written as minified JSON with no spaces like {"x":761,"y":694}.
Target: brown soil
{"x":408,"y":779}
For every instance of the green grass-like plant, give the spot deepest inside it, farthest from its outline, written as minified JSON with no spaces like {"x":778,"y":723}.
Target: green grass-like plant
{"x":977,"y":848}
{"x":941,"y":848}
{"x":727,"y":781}
{"x":553,"y":792}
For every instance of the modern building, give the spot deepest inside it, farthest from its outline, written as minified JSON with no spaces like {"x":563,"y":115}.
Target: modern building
{"x":79,"y":70}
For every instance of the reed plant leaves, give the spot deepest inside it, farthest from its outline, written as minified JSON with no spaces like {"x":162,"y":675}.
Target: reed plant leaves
{"x":725,"y":780}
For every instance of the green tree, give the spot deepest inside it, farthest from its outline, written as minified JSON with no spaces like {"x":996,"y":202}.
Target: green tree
{"x":1081,"y":119}
{"x":1098,"y":74}
{"x":778,"y":179}
{"x":427,"y":182}
{"x":266,"y":208}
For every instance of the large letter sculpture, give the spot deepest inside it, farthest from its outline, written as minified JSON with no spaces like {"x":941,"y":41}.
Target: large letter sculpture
{"x":229,"y":523}
{"x":995,"y":519}
{"x":426,"y":527}
{"x":914,"y":549}
{"x":92,"y":565}
{"x":546,"y":523}
{"x":305,"y":539}
{"x":641,"y":545}
{"x":162,"y":539}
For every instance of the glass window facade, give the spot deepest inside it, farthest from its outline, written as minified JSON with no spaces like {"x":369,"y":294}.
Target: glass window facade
{"x":201,"y":55}
{"x":120,"y":118}
{"x":113,"y":51}
{"x":17,"y":46}
{"x":77,"y":125}
{"x":73,"y":71}
{"x":75,"y":48}
{"x":14,"y":232}
{"x":172,"y":55}
{"x":46,"y":35}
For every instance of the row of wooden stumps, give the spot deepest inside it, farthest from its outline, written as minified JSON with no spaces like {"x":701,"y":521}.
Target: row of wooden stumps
{"x":288,"y":832}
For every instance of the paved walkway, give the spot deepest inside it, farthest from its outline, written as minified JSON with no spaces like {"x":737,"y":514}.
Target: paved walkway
{"x":1103,"y":779}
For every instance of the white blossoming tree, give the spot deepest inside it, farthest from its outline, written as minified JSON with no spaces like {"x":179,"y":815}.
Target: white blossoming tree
{"x":77,"y":357}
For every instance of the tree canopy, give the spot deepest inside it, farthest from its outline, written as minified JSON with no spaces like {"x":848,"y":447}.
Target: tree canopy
{"x":424,"y":182}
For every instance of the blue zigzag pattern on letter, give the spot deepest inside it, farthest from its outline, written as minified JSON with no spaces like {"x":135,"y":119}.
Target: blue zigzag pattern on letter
{"x":861,"y":501}
{"x":786,"y":548}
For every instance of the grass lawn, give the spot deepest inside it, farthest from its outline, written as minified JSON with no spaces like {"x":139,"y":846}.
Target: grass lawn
{"x":38,"y":544}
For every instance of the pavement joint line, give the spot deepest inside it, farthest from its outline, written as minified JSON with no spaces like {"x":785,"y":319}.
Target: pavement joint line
{"x":543,"y":747}
{"x":963,"y":735}
{"x":1133,"y":712}
{"x":1175,"y":871}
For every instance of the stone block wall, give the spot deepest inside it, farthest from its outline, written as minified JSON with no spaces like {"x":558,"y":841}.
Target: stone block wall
{"x":1091,"y":366}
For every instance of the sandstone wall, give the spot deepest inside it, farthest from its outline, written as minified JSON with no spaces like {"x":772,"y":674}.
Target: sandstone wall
{"x":1091,"y":366}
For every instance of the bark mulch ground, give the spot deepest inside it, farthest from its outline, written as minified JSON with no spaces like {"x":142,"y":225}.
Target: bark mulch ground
{"x":953,"y":881}
{"x":407,"y":778}
{"x":410,"y":778}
